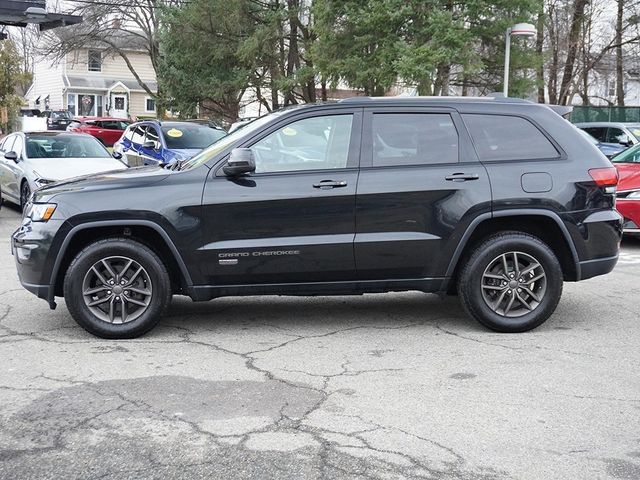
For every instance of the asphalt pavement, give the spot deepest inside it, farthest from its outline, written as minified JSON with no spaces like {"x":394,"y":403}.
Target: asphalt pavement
{"x":398,"y":385}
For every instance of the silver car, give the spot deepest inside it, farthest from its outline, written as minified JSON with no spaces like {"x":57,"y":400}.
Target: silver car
{"x":31,"y":160}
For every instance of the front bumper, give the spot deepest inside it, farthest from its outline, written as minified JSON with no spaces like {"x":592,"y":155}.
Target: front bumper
{"x":31,"y":245}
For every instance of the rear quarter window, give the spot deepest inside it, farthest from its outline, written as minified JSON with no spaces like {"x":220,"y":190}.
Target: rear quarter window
{"x":506,"y":137}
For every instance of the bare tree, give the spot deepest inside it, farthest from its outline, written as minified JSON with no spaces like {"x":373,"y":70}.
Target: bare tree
{"x":118,"y":27}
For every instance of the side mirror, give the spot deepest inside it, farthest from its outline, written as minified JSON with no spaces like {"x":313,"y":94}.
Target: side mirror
{"x":11,"y":156}
{"x":624,"y":140}
{"x":150,"y":145}
{"x":117,"y":155}
{"x":240,"y":161}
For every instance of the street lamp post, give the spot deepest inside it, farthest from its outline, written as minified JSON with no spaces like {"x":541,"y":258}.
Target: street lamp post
{"x":518,"y":30}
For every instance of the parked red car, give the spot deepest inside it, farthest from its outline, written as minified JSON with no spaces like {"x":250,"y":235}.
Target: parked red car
{"x":107,"y":130}
{"x":628,"y":196}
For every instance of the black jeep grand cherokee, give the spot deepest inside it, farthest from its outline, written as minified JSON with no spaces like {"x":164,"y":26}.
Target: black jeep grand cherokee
{"x":498,"y":199}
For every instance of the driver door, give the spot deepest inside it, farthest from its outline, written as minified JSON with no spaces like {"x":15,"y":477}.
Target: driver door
{"x":293,"y":220}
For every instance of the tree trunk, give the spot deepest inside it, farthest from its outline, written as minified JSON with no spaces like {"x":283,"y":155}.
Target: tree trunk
{"x":572,"y":50}
{"x":619,"y":65}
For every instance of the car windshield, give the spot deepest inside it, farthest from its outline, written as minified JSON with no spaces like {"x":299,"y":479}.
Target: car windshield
{"x":62,"y":114}
{"x":190,"y":135}
{"x":630,"y":155}
{"x":64,"y":146}
{"x":230,"y":139}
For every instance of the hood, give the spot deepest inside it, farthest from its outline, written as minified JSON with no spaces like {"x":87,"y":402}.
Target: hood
{"x":63,"y":168}
{"x":629,"y":176}
{"x":113,"y":180}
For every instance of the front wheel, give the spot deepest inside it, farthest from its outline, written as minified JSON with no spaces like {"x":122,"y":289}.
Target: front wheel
{"x":512,"y":282}
{"x":117,"y":288}
{"x":25,"y":193}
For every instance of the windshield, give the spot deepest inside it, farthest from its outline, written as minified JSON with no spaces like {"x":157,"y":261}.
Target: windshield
{"x":64,"y":146}
{"x":631,"y":155}
{"x":225,"y":142}
{"x":190,"y":135}
{"x":61,"y":114}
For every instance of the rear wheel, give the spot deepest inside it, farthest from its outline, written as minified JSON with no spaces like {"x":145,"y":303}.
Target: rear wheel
{"x":117,"y":288}
{"x":512,"y":282}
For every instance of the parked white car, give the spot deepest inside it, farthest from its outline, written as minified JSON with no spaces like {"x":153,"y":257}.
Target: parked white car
{"x":30,"y":160}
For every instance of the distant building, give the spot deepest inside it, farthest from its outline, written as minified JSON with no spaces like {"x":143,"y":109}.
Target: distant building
{"x":94,"y":82}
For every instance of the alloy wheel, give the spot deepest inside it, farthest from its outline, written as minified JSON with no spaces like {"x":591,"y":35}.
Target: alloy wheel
{"x":514,"y":284}
{"x":117,"y":290}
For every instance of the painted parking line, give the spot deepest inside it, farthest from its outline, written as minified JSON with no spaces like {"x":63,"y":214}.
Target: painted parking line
{"x":629,"y":258}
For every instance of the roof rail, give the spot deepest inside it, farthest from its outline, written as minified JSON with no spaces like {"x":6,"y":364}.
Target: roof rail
{"x":491,"y":98}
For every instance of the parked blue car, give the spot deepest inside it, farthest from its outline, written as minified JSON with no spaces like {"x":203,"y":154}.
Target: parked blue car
{"x":152,"y":142}
{"x":609,"y":149}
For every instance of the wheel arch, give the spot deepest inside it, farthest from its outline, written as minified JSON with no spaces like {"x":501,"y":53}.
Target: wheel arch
{"x":543,"y":224}
{"x":143,"y":231}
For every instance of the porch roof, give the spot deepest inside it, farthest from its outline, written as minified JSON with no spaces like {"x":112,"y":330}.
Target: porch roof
{"x":95,"y":83}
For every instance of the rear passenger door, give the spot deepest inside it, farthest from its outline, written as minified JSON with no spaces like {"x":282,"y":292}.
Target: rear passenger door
{"x":420,"y":185}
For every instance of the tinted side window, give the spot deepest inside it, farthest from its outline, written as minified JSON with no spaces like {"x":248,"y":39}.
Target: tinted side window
{"x":616,"y":135}
{"x":138,"y":134}
{"x":503,"y":137}
{"x":309,"y":144}
{"x":599,"y":133}
{"x":413,"y":139}
{"x":152,"y":135}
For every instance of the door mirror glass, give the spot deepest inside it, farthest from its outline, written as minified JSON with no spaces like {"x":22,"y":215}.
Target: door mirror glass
{"x":624,"y":140}
{"x":11,"y":156}
{"x":240,"y":161}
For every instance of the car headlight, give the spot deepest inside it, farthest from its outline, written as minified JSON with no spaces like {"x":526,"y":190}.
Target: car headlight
{"x":41,"y":182}
{"x":40,"y":212}
{"x":634,"y":195}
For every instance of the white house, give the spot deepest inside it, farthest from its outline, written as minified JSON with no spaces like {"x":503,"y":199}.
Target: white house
{"x":93,"y":82}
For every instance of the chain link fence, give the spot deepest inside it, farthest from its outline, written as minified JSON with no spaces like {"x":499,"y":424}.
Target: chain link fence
{"x":605,"y":114}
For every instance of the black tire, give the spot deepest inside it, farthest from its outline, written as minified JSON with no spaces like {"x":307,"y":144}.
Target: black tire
{"x":154,"y":279}
{"x":25,"y":193}
{"x":480,"y":285}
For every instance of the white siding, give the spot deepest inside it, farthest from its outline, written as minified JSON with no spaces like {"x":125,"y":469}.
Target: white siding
{"x":113,"y":66}
{"x":47,"y":80}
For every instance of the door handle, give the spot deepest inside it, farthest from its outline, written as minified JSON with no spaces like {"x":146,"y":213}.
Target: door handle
{"x":462,"y":177}
{"x":328,"y":184}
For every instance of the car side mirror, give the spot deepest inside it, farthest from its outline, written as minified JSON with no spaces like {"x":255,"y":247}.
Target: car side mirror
{"x":117,"y":155}
{"x":150,"y":145}
{"x":624,"y":140}
{"x":240,"y":161}
{"x":11,"y":156}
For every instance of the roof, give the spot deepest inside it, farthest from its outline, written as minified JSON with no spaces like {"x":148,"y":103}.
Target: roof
{"x":105,"y":83}
{"x":21,"y":13}
{"x":102,"y":118}
{"x":113,"y":37}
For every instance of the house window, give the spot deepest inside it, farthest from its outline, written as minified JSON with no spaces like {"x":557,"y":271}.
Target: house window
{"x":149,"y":104}
{"x":95,"y":61}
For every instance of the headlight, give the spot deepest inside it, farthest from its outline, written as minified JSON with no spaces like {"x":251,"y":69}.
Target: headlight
{"x":41,"y":182}
{"x":40,"y":212}
{"x":634,"y":195}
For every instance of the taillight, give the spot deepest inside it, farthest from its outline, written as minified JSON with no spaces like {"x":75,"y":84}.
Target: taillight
{"x":604,"y":177}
